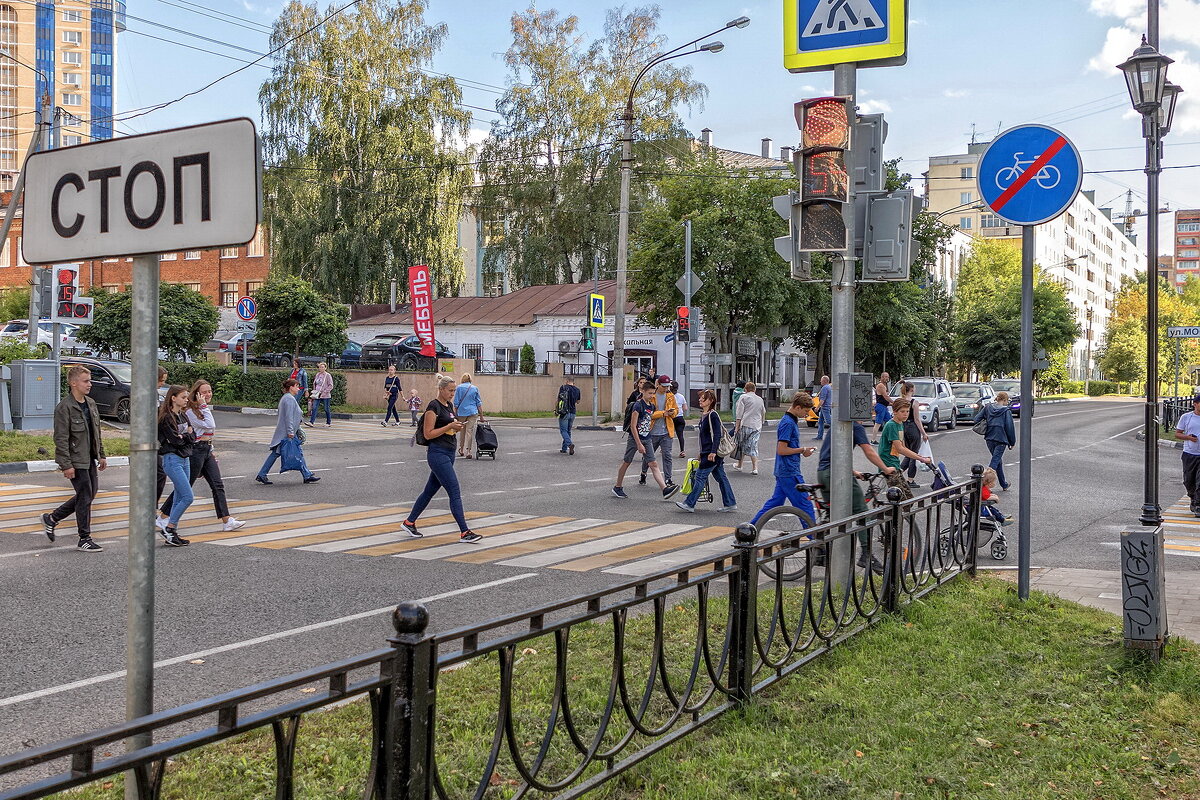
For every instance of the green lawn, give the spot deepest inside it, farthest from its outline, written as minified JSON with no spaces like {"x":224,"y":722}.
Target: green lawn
{"x":969,"y":694}
{"x":22,"y":446}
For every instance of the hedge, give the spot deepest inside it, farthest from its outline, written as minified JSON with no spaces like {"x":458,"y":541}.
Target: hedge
{"x":258,"y":385}
{"x":1097,"y":388}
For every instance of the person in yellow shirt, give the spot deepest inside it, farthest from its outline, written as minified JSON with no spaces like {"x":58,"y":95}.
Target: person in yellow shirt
{"x":662,"y":428}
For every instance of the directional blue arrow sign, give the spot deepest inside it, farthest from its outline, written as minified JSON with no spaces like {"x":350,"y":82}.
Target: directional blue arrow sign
{"x":1030,"y":174}
{"x":247,"y":309}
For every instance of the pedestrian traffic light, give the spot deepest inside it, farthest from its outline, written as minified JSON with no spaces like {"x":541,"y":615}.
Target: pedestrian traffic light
{"x":43,"y":294}
{"x":683,"y":324}
{"x":788,"y":247}
{"x":825,"y":125}
{"x":587,"y":340}
{"x":68,"y":306}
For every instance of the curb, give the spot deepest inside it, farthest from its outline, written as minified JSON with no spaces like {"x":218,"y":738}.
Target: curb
{"x":274,"y":412}
{"x":1141,"y":437}
{"x":51,"y":466}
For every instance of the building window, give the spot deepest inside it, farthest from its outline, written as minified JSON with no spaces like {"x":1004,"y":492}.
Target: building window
{"x":72,"y":15}
{"x":70,"y":120}
{"x":191,"y":255}
{"x":507,"y":359}
{"x":111,"y":287}
{"x":1189,"y":253}
{"x":964,"y":223}
{"x":255,"y":248}
{"x":166,"y":256}
{"x":991,"y":221}
{"x":1187,"y":241}
{"x":72,"y":37}
{"x":472,"y":351}
{"x":1188,"y":227}
{"x":72,"y":79}
{"x":72,"y":99}
{"x":964,"y":198}
{"x":229,"y":295}
{"x":1186,"y":265}
{"x":229,"y":252}
{"x":1070,"y":220}
{"x":252,"y":287}
{"x":73,"y":58}
{"x":967,"y":172}
{"x":71,"y":139}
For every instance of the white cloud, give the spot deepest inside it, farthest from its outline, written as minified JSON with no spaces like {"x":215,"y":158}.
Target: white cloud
{"x":955,"y":93}
{"x":1119,"y":44}
{"x":1117,"y":8}
{"x":874,"y":107}
{"x":476,"y":136}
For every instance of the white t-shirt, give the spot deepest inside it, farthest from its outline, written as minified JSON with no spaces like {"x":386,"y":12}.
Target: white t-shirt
{"x":1189,"y":423}
{"x":680,"y":404}
{"x":752,"y":411}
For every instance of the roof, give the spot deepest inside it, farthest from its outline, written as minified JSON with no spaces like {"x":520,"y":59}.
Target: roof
{"x":522,"y":307}
{"x":738,"y":160}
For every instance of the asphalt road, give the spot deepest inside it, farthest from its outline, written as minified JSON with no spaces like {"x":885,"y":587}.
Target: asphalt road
{"x":284,"y":594}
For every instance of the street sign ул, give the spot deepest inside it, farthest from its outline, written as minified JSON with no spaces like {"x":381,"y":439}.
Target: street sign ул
{"x":1030,"y":174}
{"x":1182,"y":332}
{"x":247,"y":309}
{"x":820,"y":33}
{"x":596,"y":304}
{"x":182,"y":189}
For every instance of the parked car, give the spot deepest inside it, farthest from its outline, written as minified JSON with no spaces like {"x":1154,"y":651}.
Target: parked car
{"x":935,"y":401}
{"x":111,"y":382}
{"x":1013,"y":387}
{"x":18,"y":329}
{"x":970,"y":398}
{"x":232,"y":342}
{"x":401,"y":349}
{"x":350,"y":357}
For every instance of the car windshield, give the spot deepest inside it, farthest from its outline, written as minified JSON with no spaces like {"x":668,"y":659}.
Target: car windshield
{"x":923,"y":389}
{"x":122,"y":372}
{"x":387,"y":341}
{"x":968,"y":392}
{"x":1007,"y":385}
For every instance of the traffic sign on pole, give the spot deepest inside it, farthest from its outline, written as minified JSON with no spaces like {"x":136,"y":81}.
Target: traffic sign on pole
{"x":247,"y":309}
{"x":596,"y":304}
{"x":820,"y":33}
{"x":1182,"y":332}
{"x":1030,"y":174}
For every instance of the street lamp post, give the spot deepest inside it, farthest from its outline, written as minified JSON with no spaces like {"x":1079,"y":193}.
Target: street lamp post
{"x":617,"y":362}
{"x":1087,"y":366}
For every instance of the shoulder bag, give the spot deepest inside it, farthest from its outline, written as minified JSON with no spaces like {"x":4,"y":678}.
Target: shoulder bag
{"x":725,"y":445}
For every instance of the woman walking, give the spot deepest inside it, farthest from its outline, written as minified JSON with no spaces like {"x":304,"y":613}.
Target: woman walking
{"x":1000,"y":435}
{"x":681,"y":407}
{"x":391,"y":388}
{"x":203,"y":461}
{"x":710,"y":428}
{"x":322,"y":393}
{"x":914,"y":432}
{"x":439,"y":427}
{"x":470,"y":410}
{"x":287,"y":427}
{"x":175,"y":443}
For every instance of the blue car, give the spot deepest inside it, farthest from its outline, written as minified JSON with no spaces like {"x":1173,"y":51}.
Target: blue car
{"x":1013,"y":387}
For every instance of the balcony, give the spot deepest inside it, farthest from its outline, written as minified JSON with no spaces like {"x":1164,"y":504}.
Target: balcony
{"x":1001,"y":233}
{"x":117,"y":7}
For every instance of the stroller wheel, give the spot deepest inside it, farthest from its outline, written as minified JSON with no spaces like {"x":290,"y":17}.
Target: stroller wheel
{"x":999,"y":550}
{"x":944,"y":545}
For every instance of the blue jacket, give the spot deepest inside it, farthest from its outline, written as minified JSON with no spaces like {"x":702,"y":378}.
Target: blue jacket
{"x":1000,"y":426}
{"x":466,"y":400}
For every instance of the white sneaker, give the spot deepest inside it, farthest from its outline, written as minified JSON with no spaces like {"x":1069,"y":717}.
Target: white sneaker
{"x":232,"y":525}
{"x":753,"y":472}
{"x":160,"y":523}
{"x":738,"y":467}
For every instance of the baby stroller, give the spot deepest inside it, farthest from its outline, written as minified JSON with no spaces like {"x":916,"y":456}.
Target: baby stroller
{"x":990,"y":532}
{"x":485,"y":441}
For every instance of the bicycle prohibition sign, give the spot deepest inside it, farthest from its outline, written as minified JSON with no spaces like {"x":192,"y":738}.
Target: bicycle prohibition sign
{"x":1047,"y":177}
{"x":1030,"y":174}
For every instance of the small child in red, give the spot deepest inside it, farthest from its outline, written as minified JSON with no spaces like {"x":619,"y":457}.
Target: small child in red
{"x":991,"y":512}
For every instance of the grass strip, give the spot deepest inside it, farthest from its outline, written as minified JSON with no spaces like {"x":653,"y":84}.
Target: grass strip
{"x":29,"y":446}
{"x":967,"y":694}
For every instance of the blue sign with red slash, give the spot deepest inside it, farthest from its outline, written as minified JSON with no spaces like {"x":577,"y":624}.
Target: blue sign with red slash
{"x":1030,"y":174}
{"x":247,"y":309}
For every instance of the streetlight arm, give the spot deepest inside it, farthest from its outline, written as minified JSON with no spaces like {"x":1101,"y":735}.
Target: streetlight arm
{"x":654,"y":62}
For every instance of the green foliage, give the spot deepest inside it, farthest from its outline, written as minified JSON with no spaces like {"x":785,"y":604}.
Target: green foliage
{"x":258,"y":386}
{"x":549,"y":168}
{"x":1055,"y":379}
{"x":186,"y":321}
{"x":366,"y":145}
{"x":528,"y":359}
{"x":293,"y":317}
{"x":14,"y":304}
{"x":14,"y":349}
{"x":1096,"y":388}
{"x":1122,"y":354}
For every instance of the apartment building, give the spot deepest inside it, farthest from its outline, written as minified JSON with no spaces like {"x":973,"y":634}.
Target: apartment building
{"x":1082,"y":247}
{"x":1186,"y":235}
{"x":63,"y":51}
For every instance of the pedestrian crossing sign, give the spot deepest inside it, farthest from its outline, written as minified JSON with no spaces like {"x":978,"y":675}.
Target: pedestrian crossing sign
{"x":596,"y":304}
{"x":820,"y":33}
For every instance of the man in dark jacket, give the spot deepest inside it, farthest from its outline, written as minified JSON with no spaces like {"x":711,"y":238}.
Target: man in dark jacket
{"x":1000,"y":435}
{"x":79,"y":453}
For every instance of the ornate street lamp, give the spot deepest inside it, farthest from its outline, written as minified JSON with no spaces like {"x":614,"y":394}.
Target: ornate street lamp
{"x":1146,"y":77}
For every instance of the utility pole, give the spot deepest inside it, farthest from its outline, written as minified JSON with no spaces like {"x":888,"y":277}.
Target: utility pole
{"x":595,"y":346}
{"x":689,"y":288}
{"x":617,"y":363}
{"x":1087,"y":374}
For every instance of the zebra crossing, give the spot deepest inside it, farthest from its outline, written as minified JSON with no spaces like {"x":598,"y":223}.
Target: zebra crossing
{"x":342,"y":431}
{"x":1181,"y":529}
{"x":525,"y":541}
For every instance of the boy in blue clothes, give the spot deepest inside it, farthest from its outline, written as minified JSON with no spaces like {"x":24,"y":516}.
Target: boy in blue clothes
{"x":788,"y":453}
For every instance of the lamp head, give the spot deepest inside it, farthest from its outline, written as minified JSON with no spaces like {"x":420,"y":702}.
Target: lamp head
{"x":740,"y":22}
{"x":712,"y":47}
{"x":1166,"y":111}
{"x":1145,"y":77}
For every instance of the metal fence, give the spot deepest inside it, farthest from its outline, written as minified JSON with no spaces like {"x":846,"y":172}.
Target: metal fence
{"x":1172,"y":409}
{"x":590,"y":720}
{"x":485,"y":366}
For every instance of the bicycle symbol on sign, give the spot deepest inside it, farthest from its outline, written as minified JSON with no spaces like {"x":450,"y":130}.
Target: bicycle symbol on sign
{"x":1047,"y":177}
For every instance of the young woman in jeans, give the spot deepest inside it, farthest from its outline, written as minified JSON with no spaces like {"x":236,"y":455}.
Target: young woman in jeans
{"x":321,"y":394}
{"x":711,"y":428}
{"x":175,"y":443}
{"x":439,"y":429}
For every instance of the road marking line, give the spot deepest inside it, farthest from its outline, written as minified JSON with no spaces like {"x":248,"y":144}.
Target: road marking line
{"x":480,"y":522}
{"x":648,"y":548}
{"x":498,"y":491}
{"x":458,"y":548}
{"x":343,"y":523}
{"x":213,"y":533}
{"x":49,"y":548}
{"x":528,"y":488}
{"x":569,"y":483}
{"x":596,"y":480}
{"x":365,"y":534}
{"x":568,"y":553}
{"x":647,"y":566}
{"x":225,"y":477}
{"x":392,"y":463}
{"x":523,"y":548}
{"x":358,"y":466}
{"x":271,"y":637}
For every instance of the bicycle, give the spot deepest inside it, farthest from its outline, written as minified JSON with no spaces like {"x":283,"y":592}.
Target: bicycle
{"x":1005,"y":177}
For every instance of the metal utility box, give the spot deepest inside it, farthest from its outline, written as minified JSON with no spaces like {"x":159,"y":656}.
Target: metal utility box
{"x":35,"y":384}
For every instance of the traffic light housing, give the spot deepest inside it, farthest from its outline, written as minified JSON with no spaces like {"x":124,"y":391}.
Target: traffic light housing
{"x":825,"y":132}
{"x":587,"y":339}
{"x":68,"y":306}
{"x":683,"y":324}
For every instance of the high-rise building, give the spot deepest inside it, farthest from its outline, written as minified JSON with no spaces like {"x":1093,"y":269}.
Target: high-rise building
{"x":1186,"y":235}
{"x":62,"y":52}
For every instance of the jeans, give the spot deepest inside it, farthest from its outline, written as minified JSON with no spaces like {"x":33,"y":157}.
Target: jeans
{"x":785,"y":492}
{"x":315,"y":404}
{"x":1191,"y":478}
{"x":204,"y":464}
{"x":822,"y":422}
{"x":661,"y":442}
{"x":179,"y":470}
{"x":273,"y":456}
{"x":997,"y":462}
{"x":162,"y":480}
{"x":717,"y":470}
{"x":564,"y":429}
{"x":85,"y":483}
{"x":391,"y":409}
{"x":441,"y":476}
{"x":680,"y":424}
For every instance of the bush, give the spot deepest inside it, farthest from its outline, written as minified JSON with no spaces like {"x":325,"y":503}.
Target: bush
{"x":12,"y":349}
{"x":1097,"y":388}
{"x":259,"y":385}
{"x":528,"y":360}
{"x":1073,"y":387}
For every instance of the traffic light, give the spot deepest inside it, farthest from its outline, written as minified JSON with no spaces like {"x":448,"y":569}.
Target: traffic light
{"x":43,"y":294}
{"x":825,"y":125}
{"x":683,"y":324}
{"x":587,"y":338}
{"x":888,"y":252}
{"x":68,"y":306}
{"x":788,"y":247}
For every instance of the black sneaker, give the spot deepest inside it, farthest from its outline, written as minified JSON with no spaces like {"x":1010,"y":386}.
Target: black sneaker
{"x":470,"y":537}
{"x":175,"y":540}
{"x":312,"y":479}
{"x":642,"y":480}
{"x":619,"y":492}
{"x":88,"y":546}
{"x":262,"y":479}
{"x":670,"y":491}
{"x":874,"y":563}
{"x":914,"y":485}
{"x":571,"y":449}
{"x":48,"y":525}
{"x":411,"y":527}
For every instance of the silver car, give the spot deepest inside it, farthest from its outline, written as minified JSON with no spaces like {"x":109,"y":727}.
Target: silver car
{"x":934,"y":400}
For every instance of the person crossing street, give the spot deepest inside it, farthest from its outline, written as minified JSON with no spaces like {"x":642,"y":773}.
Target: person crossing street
{"x":662,"y":428}
{"x":79,"y":453}
{"x":564,"y":409}
{"x":1187,"y":430}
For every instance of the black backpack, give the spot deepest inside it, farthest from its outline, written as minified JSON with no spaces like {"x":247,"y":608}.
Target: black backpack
{"x":560,"y":408}
{"x":628,"y":416}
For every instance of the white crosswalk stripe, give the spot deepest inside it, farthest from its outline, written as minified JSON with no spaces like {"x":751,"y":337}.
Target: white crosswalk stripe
{"x":562,"y":554}
{"x":456,"y":549}
{"x":388,"y":538}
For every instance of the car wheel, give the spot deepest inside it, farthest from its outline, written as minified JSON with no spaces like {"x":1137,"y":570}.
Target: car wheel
{"x":408,"y":362}
{"x":122,"y":410}
{"x":953,"y":422}
{"x":934,"y":422}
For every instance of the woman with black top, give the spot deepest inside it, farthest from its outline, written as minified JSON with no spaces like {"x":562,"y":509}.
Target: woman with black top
{"x":914,"y":433}
{"x":175,"y":443}
{"x":711,"y":428}
{"x":439,"y":427}
{"x":391,"y":387}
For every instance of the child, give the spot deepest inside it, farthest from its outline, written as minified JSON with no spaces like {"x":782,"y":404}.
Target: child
{"x":991,"y":512}
{"x":414,"y":406}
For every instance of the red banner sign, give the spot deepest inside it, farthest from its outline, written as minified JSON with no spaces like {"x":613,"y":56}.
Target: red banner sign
{"x":419,"y":294}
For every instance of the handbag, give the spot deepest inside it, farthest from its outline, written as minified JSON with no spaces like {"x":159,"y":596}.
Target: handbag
{"x":290,"y":455}
{"x":726,"y":446}
{"x":925,"y":452}
{"x":980,"y":427}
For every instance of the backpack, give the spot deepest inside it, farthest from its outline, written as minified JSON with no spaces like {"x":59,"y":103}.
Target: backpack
{"x":560,"y":408}
{"x":628,"y":416}
{"x":419,"y":436}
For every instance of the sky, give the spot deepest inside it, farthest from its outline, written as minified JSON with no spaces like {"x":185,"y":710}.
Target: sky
{"x":973,"y":65}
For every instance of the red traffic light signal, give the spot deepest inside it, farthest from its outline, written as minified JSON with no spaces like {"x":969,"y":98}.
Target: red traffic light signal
{"x":683,"y":324}
{"x":68,"y":306}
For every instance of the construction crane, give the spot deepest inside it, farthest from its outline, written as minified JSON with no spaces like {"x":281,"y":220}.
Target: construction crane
{"x":1127,"y":219}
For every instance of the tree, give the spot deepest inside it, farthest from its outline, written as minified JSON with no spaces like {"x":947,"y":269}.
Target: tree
{"x":293,"y":317}
{"x":15,"y":305}
{"x":186,"y":321}
{"x":550,"y":168}
{"x":1123,"y":352}
{"x":528,"y":359}
{"x":366,"y":149}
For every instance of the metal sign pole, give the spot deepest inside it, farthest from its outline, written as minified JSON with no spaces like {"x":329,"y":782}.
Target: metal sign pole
{"x":143,"y":450}
{"x":1025,"y":487}
{"x":245,"y":353}
{"x":687,"y":301}
{"x":596,"y":346}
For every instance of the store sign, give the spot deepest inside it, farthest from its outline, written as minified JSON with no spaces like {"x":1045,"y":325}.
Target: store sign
{"x":419,"y":293}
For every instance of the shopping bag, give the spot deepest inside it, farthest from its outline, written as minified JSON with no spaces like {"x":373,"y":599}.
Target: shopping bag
{"x":925,"y":452}
{"x":291,"y":457}
{"x":693,"y":465}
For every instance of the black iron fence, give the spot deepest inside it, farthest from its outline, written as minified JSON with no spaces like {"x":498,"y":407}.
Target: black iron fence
{"x":1172,"y":409}
{"x":513,"y":366}
{"x":588,"y":720}
{"x":587,"y":369}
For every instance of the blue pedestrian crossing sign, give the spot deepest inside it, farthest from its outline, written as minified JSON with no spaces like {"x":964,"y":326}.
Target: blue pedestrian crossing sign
{"x":596,"y":304}
{"x":820,"y":33}
{"x":1030,"y":174}
{"x":247,"y":309}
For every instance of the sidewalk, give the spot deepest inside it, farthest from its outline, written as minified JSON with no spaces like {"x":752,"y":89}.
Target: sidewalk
{"x":1102,"y":589}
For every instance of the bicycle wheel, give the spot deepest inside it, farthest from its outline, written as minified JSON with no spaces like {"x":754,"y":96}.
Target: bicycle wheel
{"x":778,"y":522}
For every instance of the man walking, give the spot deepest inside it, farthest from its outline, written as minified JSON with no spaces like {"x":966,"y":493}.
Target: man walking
{"x":824,"y":397}
{"x":1187,"y":430}
{"x":662,"y":429}
{"x":79,"y":453}
{"x":564,"y":409}
{"x":858,"y":502}
{"x":468,"y":407}
{"x":640,"y":423}
{"x":788,"y":453}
